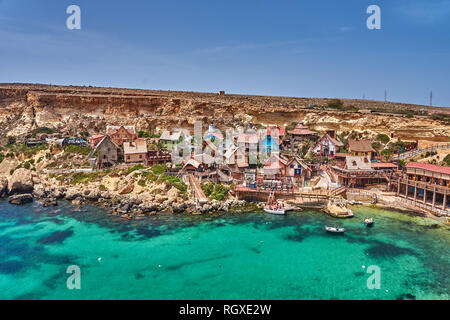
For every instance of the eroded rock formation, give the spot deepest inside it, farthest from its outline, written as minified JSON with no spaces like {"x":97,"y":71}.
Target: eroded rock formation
{"x":72,"y":110}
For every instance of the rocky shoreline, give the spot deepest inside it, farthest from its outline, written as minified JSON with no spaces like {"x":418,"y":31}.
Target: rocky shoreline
{"x":24,"y":186}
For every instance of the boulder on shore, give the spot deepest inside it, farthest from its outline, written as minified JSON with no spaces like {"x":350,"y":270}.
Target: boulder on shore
{"x":20,"y":182}
{"x":3,"y":186}
{"x":20,"y":199}
{"x":337,"y":208}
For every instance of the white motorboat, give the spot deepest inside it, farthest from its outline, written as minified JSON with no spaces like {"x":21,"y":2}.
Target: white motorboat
{"x":337,"y":229}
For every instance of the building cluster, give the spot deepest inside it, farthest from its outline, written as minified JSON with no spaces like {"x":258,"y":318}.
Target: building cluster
{"x":122,"y":144}
{"x":267,"y":158}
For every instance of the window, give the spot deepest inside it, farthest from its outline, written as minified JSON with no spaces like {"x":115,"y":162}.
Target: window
{"x":128,"y":157}
{"x":140,"y":156}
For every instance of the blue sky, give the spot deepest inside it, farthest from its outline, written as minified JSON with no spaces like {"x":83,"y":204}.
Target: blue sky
{"x":289,"y":48}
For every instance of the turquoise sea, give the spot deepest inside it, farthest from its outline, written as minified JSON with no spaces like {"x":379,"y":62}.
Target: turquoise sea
{"x":241,"y":256}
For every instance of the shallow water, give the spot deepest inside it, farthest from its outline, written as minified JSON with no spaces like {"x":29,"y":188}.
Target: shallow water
{"x":245,"y":256}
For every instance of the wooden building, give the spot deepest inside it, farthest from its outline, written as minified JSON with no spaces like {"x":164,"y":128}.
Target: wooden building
{"x":108,"y":153}
{"x":357,"y":172}
{"x":426,"y":186}
{"x":302,"y":132}
{"x":135,"y":151}
{"x":328,"y":145}
{"x":297,"y":172}
{"x":121,"y":134}
{"x":361,"y":148}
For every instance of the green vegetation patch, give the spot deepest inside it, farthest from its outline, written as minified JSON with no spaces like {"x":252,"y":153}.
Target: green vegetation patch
{"x":383,"y":138}
{"x":215,"y":191}
{"x":83,"y":150}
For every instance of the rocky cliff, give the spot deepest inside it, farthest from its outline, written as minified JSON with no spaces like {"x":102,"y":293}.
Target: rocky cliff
{"x":72,"y":110}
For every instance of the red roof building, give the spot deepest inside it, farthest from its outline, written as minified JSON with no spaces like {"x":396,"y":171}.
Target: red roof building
{"x":427,"y":168}
{"x":301,"y":131}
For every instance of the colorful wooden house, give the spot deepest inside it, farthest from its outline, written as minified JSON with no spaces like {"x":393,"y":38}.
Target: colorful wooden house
{"x":108,"y":153}
{"x":297,"y":172}
{"x":328,"y":145}
{"x":135,"y":151}
{"x":274,"y":169}
{"x":361,"y":148}
{"x":121,"y":134}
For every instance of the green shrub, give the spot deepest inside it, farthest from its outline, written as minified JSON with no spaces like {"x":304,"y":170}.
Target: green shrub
{"x":376,"y":145}
{"x":77,"y":150}
{"x":215,"y":191}
{"x":42,"y":130}
{"x":447,"y":160}
{"x":102,"y":188}
{"x":135,"y":168}
{"x":387,"y":153}
{"x":335,"y":104}
{"x":383,"y":138}
{"x":159,"y":169}
{"x":2,"y":157}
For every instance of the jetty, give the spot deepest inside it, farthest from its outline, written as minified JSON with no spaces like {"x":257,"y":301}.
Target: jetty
{"x":199,"y":195}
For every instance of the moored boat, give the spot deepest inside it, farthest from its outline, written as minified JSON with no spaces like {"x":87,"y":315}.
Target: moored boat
{"x":368,"y":222}
{"x":274,"y":207}
{"x":337,"y":229}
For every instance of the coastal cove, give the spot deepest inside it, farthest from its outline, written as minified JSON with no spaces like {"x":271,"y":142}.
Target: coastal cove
{"x":219,"y":256}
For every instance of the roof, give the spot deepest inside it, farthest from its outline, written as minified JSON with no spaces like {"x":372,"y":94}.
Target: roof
{"x":230,"y":152}
{"x":381,"y":165}
{"x":429,"y":167}
{"x":113,"y":129}
{"x":106,"y":138}
{"x":281,"y":130}
{"x":98,"y":136}
{"x":248,"y":138}
{"x":173,"y":135}
{"x":360,"y":146}
{"x":299,"y":161}
{"x":336,"y":142}
{"x":274,"y":161}
{"x":214,"y":134}
{"x":136,"y":147}
{"x":301,"y":130}
{"x":357,"y":163}
{"x":193,"y":163}
{"x":205,"y":158}
{"x":341,"y":155}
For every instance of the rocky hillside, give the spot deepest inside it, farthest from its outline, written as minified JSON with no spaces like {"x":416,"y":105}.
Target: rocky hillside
{"x":71,"y":110}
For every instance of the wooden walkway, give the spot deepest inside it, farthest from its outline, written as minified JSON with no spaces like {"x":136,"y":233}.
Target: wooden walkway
{"x":412,"y":154}
{"x":197,"y":189}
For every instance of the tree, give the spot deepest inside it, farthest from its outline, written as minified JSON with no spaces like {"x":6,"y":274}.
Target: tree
{"x":387,"y":154}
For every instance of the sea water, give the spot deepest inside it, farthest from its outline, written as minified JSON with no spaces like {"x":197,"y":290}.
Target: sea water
{"x":222,"y":256}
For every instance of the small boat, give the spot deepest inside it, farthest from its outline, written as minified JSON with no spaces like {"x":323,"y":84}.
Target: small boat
{"x":368,"y":222}
{"x":337,"y":229}
{"x":276,"y":212}
{"x":274,"y":207}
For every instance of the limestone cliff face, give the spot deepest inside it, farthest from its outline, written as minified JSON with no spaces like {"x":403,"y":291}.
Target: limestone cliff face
{"x":75,"y":109}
